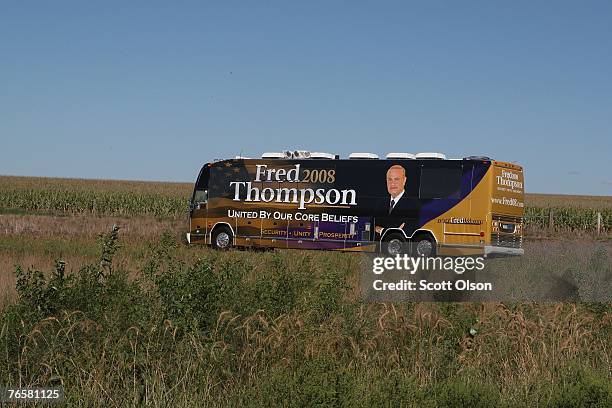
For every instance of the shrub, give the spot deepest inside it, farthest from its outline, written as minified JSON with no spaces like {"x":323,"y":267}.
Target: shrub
{"x":582,"y":388}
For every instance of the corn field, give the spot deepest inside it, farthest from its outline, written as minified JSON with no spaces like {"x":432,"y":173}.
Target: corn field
{"x":170,"y":201}
{"x":567,"y":218}
{"x":95,"y":202}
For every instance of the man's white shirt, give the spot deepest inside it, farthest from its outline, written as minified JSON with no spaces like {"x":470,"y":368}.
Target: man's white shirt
{"x":395,"y":200}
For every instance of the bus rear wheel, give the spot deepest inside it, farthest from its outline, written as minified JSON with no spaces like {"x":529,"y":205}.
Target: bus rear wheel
{"x":393,"y":244}
{"x":423,"y":245}
{"x":222,"y":238}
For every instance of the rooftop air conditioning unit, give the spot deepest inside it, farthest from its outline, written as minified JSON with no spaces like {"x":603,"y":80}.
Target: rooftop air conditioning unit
{"x":241,"y":157}
{"x":434,"y":156}
{"x":481,"y":158}
{"x":322,"y":155}
{"x":297,"y":154}
{"x":302,"y":154}
{"x":400,"y":156}
{"x":370,"y":156}
{"x":273,"y":155}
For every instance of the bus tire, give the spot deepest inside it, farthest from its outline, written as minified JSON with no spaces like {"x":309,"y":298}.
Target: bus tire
{"x":222,"y":238}
{"x":394,"y":244}
{"x":423,"y":244}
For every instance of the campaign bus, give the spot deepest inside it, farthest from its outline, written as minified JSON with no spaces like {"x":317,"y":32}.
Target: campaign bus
{"x":424,"y":204}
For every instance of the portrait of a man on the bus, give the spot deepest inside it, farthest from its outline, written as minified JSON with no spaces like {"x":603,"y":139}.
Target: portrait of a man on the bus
{"x":397,"y":209}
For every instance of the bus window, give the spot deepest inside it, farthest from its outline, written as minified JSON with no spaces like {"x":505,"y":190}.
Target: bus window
{"x":200,"y":197}
{"x":200,"y":194}
{"x":440,"y":182}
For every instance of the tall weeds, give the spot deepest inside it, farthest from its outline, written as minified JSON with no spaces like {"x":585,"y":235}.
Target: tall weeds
{"x":287,"y":329}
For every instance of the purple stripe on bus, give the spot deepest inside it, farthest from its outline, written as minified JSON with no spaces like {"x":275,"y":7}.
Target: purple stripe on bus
{"x":469,"y":180}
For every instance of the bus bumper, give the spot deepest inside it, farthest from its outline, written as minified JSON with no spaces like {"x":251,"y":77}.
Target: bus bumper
{"x":188,"y":235}
{"x":490,"y":250}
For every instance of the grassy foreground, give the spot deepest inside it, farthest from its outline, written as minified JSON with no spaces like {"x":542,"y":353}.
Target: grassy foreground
{"x":190,"y":326}
{"x":142,"y":320}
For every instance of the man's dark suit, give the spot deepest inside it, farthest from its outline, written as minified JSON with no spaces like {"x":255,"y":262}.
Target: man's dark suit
{"x":405,"y":211}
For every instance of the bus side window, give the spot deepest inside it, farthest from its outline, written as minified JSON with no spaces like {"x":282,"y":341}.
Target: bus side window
{"x":440,"y":182}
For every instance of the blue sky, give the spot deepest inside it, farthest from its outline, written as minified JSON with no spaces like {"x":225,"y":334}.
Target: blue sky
{"x":151,"y":90}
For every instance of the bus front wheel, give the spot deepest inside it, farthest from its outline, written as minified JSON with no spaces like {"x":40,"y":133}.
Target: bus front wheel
{"x":222,"y":238}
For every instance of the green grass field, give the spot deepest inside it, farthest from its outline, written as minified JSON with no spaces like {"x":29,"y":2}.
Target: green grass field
{"x":140,"y":318}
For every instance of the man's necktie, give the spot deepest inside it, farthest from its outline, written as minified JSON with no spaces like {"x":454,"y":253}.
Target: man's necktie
{"x":391,"y":205}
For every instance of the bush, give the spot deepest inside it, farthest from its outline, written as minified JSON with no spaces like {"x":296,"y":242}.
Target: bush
{"x":582,"y":388}
{"x":459,"y":393}
{"x":98,"y":291}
